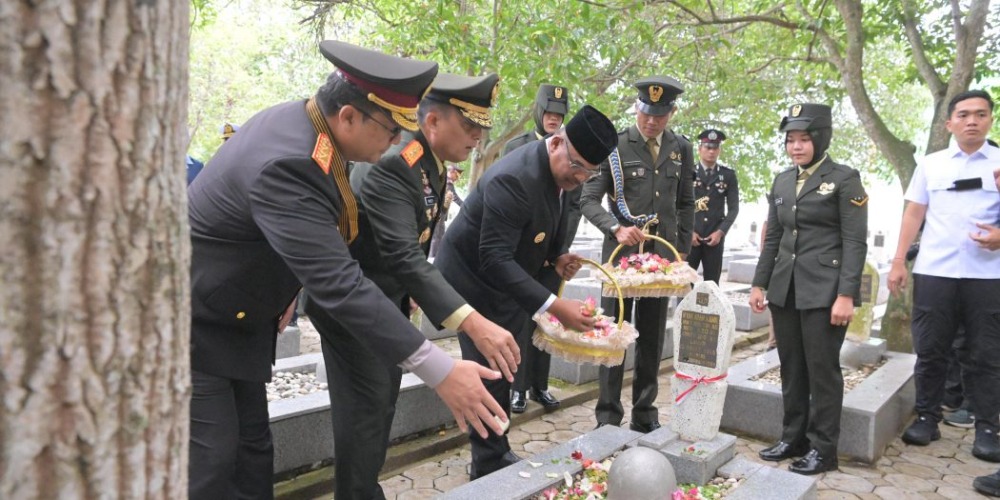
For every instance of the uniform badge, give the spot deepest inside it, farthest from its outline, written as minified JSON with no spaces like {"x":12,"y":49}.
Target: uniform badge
{"x":540,"y":237}
{"x":826,"y":188}
{"x":424,"y":236}
{"x":412,"y":152}
{"x":701,"y":204}
{"x":778,"y":202}
{"x":674,"y":155}
{"x":323,"y":152}
{"x":859,"y":200}
{"x":558,"y":92}
{"x":712,"y":136}
{"x":796,"y":110}
{"x":429,"y":201}
{"x":641,"y":172}
{"x":655,"y":93}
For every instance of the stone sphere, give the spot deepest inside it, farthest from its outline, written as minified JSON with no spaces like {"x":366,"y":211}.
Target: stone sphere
{"x":641,"y":474}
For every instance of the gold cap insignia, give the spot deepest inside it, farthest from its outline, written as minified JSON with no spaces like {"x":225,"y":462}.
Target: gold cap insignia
{"x":540,"y":237}
{"x":655,"y":93}
{"x":412,"y":152}
{"x":495,"y":95}
{"x":424,"y":236}
{"x":712,"y":136}
{"x":558,"y":92}
{"x":796,"y":110}
{"x":323,"y":152}
{"x":859,"y":200}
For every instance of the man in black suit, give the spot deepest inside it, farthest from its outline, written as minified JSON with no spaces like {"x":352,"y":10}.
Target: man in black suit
{"x":510,"y":228}
{"x":717,"y":202}
{"x":274,"y":213}
{"x":532,"y":379}
{"x":451,"y":197}
{"x":401,"y":202}
{"x":654,"y":171}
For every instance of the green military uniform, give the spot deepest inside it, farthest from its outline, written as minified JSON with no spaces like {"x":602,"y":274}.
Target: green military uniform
{"x":814,"y":250}
{"x":660,"y":186}
{"x":548,"y":99}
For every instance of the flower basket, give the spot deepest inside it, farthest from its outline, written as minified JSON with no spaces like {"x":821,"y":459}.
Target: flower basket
{"x":604,"y":345}
{"x":646,"y":274}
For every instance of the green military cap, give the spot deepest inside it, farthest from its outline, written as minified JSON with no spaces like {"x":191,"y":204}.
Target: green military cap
{"x":807,"y":116}
{"x":552,"y":99}
{"x":393,"y":83}
{"x":657,"y":94}
{"x":472,"y":95}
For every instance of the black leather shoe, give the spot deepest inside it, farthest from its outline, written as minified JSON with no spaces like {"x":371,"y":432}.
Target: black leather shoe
{"x":988,"y":485}
{"x":644,"y":428}
{"x":813,"y":463}
{"x":922,"y":431}
{"x":545,"y":398}
{"x":517,"y":402}
{"x":509,"y":458}
{"x":782,"y":450}
{"x":986,"y":446}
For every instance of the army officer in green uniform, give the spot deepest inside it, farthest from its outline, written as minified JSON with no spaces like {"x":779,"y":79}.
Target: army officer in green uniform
{"x":650,"y":180}
{"x":810,"y":272}
{"x":716,"y":204}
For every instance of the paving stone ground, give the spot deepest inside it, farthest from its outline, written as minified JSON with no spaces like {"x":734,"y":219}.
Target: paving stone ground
{"x":943,"y":470}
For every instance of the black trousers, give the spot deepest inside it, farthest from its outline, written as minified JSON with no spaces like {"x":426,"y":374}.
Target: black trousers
{"x":710,"y":258}
{"x":650,"y":321}
{"x":812,"y":385}
{"x":954,"y":387}
{"x":487,"y":454}
{"x":363,"y":393}
{"x":533,"y":372}
{"x":940,"y":307}
{"x":230,"y":453}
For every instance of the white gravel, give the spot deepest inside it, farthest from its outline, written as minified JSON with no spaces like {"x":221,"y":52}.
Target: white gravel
{"x":851,"y":377}
{"x":287,"y":385}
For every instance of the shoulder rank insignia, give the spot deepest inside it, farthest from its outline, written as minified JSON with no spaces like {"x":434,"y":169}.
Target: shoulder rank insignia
{"x":412,"y":152}
{"x":323,"y":153}
{"x":859,"y":200}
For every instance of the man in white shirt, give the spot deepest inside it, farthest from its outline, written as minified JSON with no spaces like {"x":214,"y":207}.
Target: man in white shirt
{"x":956,"y":278}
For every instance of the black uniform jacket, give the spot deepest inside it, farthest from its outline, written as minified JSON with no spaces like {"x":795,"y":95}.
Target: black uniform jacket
{"x":510,"y":225}
{"x":817,"y":238}
{"x":723,"y":193}
{"x":663,"y":187}
{"x":396,"y":209}
{"x":263,"y":219}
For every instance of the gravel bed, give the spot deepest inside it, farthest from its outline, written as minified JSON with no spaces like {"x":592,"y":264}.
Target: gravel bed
{"x":852,"y":377}
{"x":287,"y":385}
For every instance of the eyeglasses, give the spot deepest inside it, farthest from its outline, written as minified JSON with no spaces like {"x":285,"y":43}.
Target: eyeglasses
{"x":578,"y":164}
{"x":393,"y":132}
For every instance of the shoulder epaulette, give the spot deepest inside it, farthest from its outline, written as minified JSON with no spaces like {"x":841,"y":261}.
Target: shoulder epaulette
{"x":412,"y":153}
{"x":323,"y":152}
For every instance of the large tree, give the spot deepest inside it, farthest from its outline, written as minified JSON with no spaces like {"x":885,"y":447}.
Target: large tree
{"x":94,"y":314}
{"x":947,"y":47}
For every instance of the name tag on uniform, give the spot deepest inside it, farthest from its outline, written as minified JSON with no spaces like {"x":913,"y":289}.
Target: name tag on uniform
{"x":778,"y":202}
{"x":429,"y":201}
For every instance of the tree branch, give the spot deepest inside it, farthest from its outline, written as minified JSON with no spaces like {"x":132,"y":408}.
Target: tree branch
{"x":924,"y":67}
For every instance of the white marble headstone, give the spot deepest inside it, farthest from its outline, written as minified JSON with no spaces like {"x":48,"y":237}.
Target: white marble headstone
{"x":860,"y":328}
{"x":704,"y":332}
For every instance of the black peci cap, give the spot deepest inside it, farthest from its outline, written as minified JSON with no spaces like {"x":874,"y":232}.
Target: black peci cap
{"x":472,"y":95}
{"x":711,"y":138}
{"x":657,"y":94}
{"x":552,"y":99}
{"x":807,"y":116}
{"x":393,"y":83}
{"x":592,"y":134}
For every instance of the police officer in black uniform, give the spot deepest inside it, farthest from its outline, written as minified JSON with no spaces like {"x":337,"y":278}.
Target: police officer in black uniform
{"x":551,"y":106}
{"x":656,"y":169}
{"x":810,"y":272}
{"x":717,"y":202}
{"x":274,"y":213}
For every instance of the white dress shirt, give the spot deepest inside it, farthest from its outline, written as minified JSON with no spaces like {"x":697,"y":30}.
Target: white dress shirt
{"x":946,"y":250}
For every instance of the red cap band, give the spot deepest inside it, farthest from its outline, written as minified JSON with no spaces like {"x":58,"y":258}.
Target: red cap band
{"x":384,"y":93}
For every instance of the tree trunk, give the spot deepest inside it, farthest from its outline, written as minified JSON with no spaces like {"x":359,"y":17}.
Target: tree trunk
{"x":94,"y":312}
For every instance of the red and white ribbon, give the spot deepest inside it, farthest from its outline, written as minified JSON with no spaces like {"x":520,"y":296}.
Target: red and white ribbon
{"x":696,"y":382}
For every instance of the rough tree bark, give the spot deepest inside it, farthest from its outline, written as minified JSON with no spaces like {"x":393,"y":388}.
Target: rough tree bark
{"x":94,"y":252}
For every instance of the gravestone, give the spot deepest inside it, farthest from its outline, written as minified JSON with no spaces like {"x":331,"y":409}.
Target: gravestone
{"x":861,"y":325}
{"x":705,"y":329}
